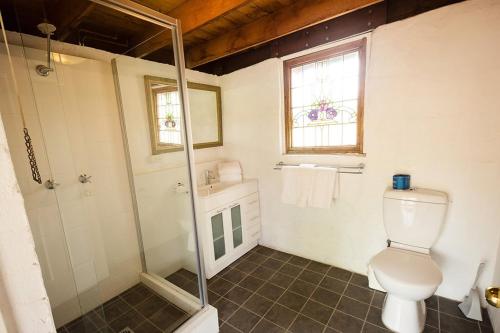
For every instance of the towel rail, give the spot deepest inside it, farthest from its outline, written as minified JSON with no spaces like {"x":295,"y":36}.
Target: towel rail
{"x":350,"y":168}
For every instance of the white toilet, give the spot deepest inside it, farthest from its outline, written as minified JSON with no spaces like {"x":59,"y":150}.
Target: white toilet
{"x":412,"y":220}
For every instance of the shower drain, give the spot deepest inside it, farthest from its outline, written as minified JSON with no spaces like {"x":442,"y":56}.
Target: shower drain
{"x":126,"y":330}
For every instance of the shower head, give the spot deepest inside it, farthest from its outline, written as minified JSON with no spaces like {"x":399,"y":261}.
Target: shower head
{"x":46,"y":28}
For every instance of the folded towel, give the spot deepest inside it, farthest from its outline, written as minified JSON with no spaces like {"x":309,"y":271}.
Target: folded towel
{"x":227,"y":178}
{"x":231,"y":167}
{"x":229,"y":171}
{"x":309,"y":186}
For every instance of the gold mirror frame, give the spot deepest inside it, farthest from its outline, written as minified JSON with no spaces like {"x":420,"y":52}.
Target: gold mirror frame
{"x":160,"y":148}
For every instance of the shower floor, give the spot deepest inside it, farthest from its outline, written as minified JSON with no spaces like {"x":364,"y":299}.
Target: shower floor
{"x":137,"y":308}
{"x":267,"y":291}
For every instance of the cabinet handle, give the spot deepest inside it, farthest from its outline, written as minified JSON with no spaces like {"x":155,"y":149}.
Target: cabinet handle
{"x":255,"y":233}
{"x":254,"y":218}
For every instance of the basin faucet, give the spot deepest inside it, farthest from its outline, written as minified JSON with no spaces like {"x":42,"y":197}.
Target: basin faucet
{"x":209,"y":177}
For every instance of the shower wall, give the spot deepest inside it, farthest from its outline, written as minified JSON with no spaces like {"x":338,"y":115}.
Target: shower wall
{"x":78,"y":119}
{"x":85,"y":234}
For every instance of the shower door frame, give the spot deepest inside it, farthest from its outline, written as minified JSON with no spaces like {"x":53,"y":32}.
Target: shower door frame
{"x":152,"y":16}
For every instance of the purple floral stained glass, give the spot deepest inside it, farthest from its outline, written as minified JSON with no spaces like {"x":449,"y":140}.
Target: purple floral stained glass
{"x":322,"y":111}
{"x":324,"y":98}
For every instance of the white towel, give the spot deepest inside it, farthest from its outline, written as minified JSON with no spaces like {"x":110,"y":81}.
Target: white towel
{"x":324,"y":188}
{"x":297,"y":182}
{"x":230,"y":178}
{"x":309,"y":186}
{"x":230,"y":171}
{"x":231,"y":167}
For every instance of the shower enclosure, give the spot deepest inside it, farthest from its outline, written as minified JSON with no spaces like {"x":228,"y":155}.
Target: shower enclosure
{"x":113,"y":225}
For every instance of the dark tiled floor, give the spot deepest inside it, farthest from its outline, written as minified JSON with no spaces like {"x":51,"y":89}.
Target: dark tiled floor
{"x":185,"y":280}
{"x":138,"y":308}
{"x":270,"y":291}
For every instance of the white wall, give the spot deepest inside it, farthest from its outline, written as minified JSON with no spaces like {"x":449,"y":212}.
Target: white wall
{"x":431,"y":109}
{"x":24,"y":306}
{"x":165,"y":216}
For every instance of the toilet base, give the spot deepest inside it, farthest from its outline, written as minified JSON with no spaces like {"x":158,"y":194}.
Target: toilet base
{"x":403,"y":316}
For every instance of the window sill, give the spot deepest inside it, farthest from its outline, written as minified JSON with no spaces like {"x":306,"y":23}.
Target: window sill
{"x":319,"y":153}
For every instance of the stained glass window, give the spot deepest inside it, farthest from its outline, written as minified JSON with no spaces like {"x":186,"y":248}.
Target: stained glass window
{"x":324,"y":99}
{"x":168,"y":113}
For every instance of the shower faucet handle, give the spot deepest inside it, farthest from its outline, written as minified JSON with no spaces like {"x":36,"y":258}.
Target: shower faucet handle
{"x":51,"y":184}
{"x":83,"y":178}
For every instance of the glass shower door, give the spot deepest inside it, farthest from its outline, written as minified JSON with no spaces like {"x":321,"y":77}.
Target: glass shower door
{"x":61,"y":226}
{"x":156,"y":124}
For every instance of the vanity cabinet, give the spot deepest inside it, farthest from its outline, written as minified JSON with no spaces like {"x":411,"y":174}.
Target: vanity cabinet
{"x":230,"y":225}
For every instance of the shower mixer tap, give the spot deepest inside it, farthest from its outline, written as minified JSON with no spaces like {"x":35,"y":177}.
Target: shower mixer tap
{"x":50,"y":184}
{"x":83,"y":178}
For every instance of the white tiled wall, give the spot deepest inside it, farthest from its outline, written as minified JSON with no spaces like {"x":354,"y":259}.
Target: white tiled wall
{"x":84,"y":233}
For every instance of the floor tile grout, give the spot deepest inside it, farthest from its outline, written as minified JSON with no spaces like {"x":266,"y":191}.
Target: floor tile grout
{"x":317,"y":286}
{"x":348,"y":282}
{"x":184,"y":279}
{"x":285,"y":290}
{"x":439,"y":315}
{"x":99,"y":311}
{"x":274,"y":302}
{"x":253,"y":292}
{"x":340,"y":299}
{"x":368,"y":312}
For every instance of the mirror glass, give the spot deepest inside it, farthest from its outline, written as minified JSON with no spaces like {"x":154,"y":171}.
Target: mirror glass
{"x":165,"y":117}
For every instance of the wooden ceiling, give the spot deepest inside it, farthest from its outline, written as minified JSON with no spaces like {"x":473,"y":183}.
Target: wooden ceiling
{"x":212,"y":29}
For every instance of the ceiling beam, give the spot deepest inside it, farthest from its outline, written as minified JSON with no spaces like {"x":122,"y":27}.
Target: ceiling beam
{"x":66,"y":15}
{"x":192,"y":15}
{"x":301,"y":14}
{"x":354,"y":23}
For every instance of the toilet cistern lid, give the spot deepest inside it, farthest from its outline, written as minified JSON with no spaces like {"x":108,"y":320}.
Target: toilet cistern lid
{"x":418,"y":195}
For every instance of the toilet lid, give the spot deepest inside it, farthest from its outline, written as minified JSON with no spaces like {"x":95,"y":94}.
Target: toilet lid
{"x":407,"y":267}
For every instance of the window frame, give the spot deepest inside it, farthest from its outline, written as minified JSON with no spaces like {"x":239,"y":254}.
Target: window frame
{"x":357,"y":45}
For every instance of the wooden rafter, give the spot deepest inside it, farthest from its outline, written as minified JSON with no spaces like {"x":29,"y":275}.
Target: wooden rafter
{"x":192,"y":15}
{"x":67,"y":15}
{"x":302,"y":13}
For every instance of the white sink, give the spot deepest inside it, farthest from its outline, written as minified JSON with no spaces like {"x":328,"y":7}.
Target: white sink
{"x":219,"y":194}
{"x":207,"y":190}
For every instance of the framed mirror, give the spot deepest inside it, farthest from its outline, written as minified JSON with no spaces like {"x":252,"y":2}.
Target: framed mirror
{"x":164,"y":114}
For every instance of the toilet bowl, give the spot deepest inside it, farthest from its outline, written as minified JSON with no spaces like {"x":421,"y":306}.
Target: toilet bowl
{"x":405,"y":269}
{"x":409,"y":278}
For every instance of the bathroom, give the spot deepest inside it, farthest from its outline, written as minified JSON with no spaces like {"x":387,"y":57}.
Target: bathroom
{"x":123,"y":227}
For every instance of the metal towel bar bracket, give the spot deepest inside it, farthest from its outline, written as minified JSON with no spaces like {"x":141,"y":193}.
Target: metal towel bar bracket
{"x":352,"y":169}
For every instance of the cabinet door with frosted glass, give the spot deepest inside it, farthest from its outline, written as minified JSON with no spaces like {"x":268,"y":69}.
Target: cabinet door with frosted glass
{"x":236,"y":226}
{"x":218,"y":236}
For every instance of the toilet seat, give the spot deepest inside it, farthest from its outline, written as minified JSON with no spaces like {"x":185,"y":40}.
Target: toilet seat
{"x":409,"y":274}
